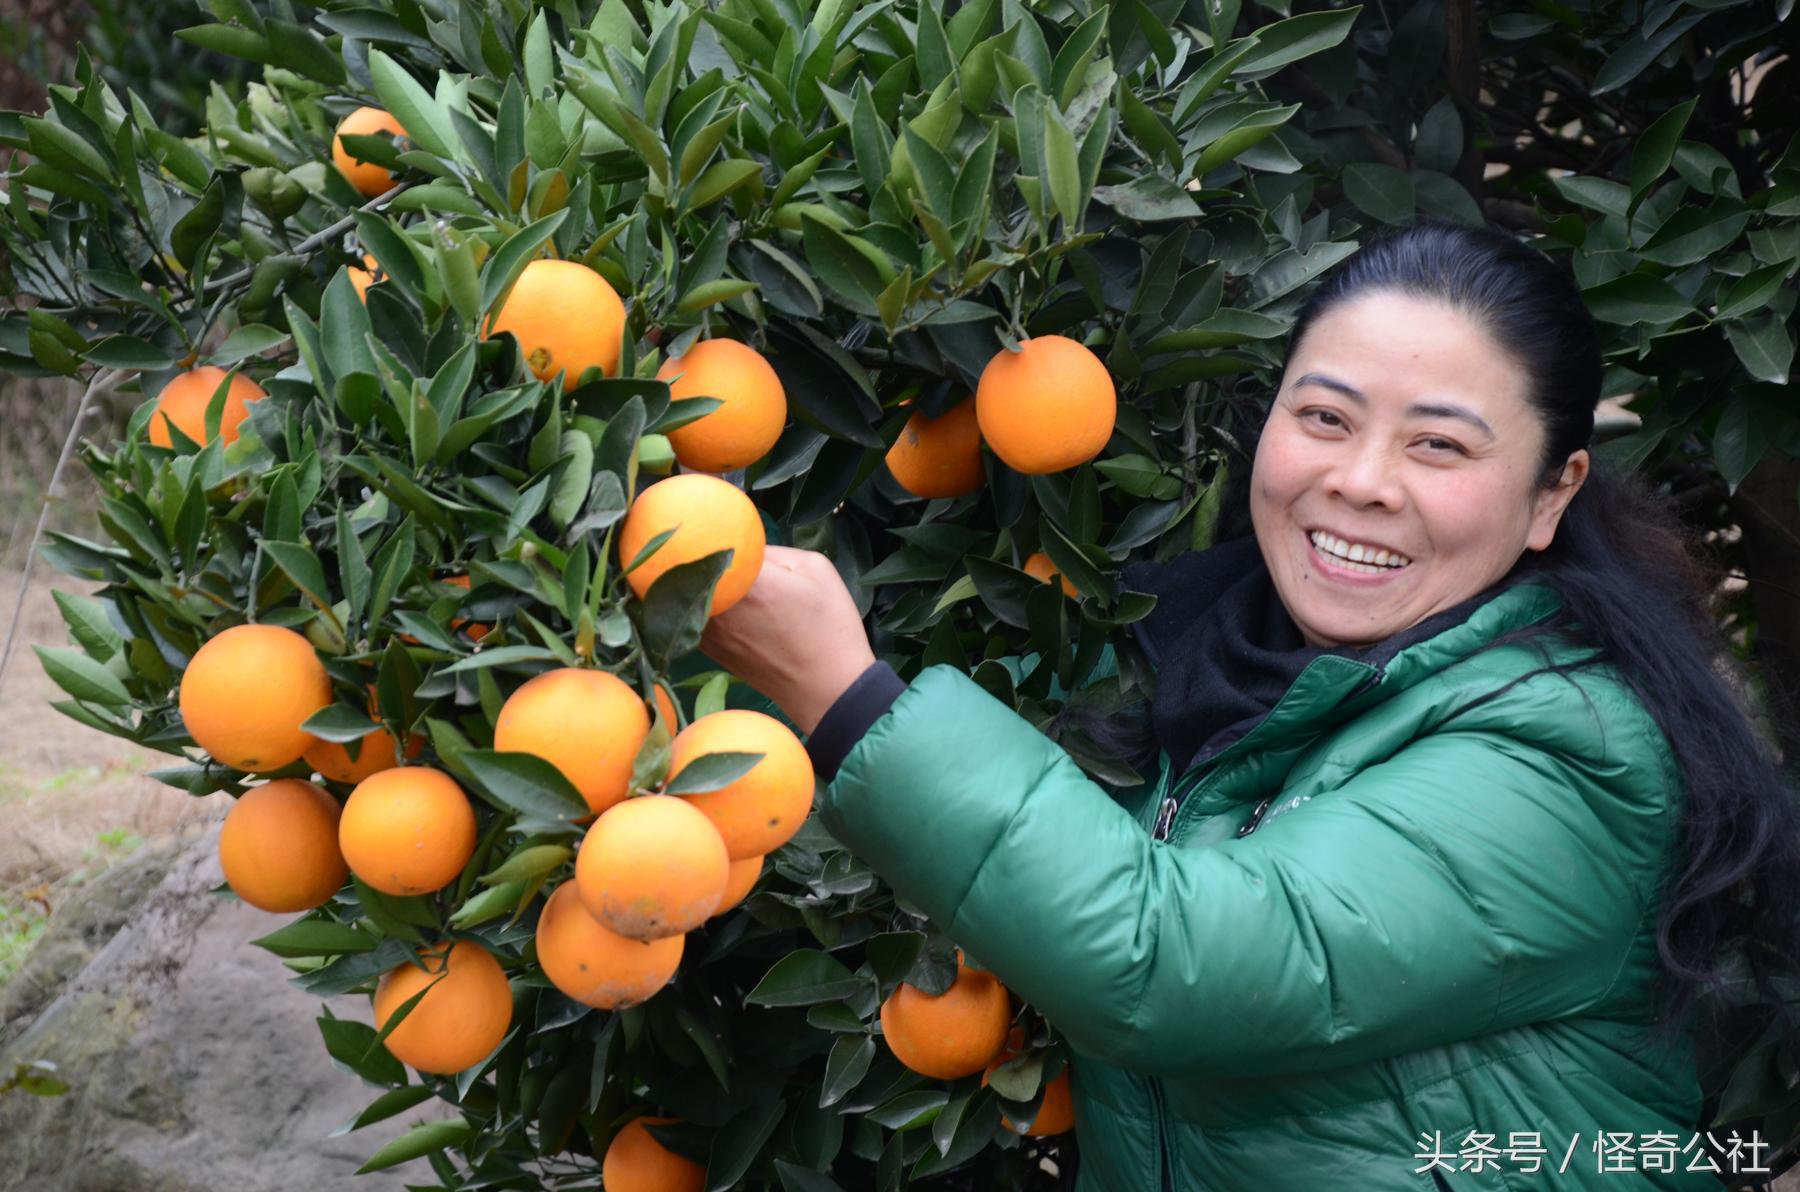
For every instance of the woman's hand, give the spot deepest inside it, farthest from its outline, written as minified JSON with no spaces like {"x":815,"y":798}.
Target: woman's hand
{"x":796,"y":636}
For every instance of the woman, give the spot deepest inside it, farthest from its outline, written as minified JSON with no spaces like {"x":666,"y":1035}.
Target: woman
{"x":1455,"y":818}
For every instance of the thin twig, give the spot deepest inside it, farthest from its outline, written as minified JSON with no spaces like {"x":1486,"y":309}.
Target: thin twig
{"x":104,"y":381}
{"x":313,"y":241}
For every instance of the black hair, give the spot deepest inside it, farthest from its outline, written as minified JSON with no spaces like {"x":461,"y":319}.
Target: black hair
{"x":1631,"y":585}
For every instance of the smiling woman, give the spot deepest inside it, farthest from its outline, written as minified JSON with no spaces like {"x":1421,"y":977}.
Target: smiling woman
{"x":1454,"y":819}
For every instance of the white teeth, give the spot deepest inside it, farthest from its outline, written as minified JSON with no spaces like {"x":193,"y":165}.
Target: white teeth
{"x":1369,"y":560}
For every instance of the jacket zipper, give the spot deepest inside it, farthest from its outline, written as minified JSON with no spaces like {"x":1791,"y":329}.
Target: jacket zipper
{"x":1165,"y":1166}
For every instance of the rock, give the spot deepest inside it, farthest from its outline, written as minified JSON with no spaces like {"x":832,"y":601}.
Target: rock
{"x":193,"y":1064}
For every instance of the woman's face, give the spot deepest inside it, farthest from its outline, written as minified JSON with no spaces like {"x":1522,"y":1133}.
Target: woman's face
{"x":1397,"y":474}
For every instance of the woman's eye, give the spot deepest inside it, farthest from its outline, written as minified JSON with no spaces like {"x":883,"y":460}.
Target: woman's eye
{"x":1443,"y":445}
{"x":1325,"y":417}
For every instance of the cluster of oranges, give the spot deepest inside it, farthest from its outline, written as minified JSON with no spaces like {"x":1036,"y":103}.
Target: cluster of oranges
{"x":1047,"y":406}
{"x":964,"y":1030}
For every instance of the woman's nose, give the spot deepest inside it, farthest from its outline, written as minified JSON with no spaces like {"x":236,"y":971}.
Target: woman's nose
{"x":1365,"y":474}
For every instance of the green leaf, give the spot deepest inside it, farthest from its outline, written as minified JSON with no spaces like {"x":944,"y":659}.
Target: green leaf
{"x":845,"y":1067}
{"x":316,"y":937}
{"x":82,"y":677}
{"x":1062,"y":164}
{"x":303,"y":567}
{"x":529,"y":863}
{"x":1289,"y":41}
{"x":234,"y":41}
{"x":1636,"y":298}
{"x":1752,"y":291}
{"x":390,"y":1103}
{"x":720,"y":179}
{"x":737,"y":1145}
{"x":340,"y":722}
{"x":353,"y":1044}
{"x":712,"y":293}
{"x":527,"y":784}
{"x":248,"y":340}
{"x":1382,"y":191}
{"x":300,"y":50}
{"x":674,"y":611}
{"x":420,"y":1140}
{"x":88,"y":624}
{"x":128,"y":352}
{"x":1763,"y":346}
{"x":426,"y":121}
{"x":67,"y":149}
{"x":195,"y":228}
{"x":805,"y":977}
{"x":1630,"y":59}
{"x":1654,"y":151}
{"x":1149,"y":198}
{"x":711,"y":772}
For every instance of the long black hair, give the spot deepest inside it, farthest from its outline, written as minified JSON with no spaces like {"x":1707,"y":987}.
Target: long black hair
{"x":1631,"y":585}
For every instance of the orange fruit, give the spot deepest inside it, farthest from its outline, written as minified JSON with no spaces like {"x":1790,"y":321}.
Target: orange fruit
{"x":247,"y":691}
{"x":707,"y":515}
{"x":651,"y":867}
{"x":743,"y":877}
{"x":459,"y":1022}
{"x":363,"y":278}
{"x":567,"y":319}
{"x":636,"y":1162}
{"x":589,"y":724}
{"x":740,"y":432}
{"x":1048,"y":406}
{"x":1056,"y":1113}
{"x":183,"y":401}
{"x":762,"y":810}
{"x":408,"y":830}
{"x":279,"y":846}
{"x":939,"y":457}
{"x":595,"y":965}
{"x":365,"y":176}
{"x":1039,"y":567}
{"x":375,"y":753}
{"x":953,"y":1035}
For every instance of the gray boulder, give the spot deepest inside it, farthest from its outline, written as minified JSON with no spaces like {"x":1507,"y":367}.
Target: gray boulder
{"x":193,"y":1064}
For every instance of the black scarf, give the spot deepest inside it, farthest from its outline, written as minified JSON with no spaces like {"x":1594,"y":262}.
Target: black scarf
{"x":1225,"y":649}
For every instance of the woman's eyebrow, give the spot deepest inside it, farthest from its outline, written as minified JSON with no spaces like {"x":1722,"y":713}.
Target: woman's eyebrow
{"x":1417,"y":409}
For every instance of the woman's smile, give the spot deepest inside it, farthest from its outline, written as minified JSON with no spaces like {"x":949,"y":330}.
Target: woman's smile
{"x":1355,"y":562}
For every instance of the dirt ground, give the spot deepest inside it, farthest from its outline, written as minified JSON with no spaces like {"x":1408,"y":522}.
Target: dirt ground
{"x":72,"y":800}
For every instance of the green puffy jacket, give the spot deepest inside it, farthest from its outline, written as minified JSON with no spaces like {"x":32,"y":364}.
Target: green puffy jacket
{"x":1393,"y":927}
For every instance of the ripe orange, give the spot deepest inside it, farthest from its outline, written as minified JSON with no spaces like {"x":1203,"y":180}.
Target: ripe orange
{"x":279,"y":846}
{"x":567,"y":319}
{"x":939,"y":457}
{"x":651,"y":867}
{"x":363,"y":278}
{"x":459,"y":1022}
{"x":183,"y":401}
{"x":707,"y":515}
{"x":1056,"y":1114}
{"x":595,"y":965}
{"x":375,"y":753}
{"x":761,"y":811}
{"x":365,"y":176}
{"x":408,"y":830}
{"x":953,"y":1035}
{"x":246,"y":692}
{"x":1046,"y":407}
{"x":589,"y":724}
{"x":1039,"y":567}
{"x":636,"y":1162}
{"x":743,"y":878}
{"x":741,"y":431}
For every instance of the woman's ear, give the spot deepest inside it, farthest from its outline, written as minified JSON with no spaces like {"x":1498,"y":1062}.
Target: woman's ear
{"x":1549,"y":503}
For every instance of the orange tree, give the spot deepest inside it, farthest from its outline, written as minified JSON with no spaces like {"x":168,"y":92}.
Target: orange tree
{"x":561,"y":249}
